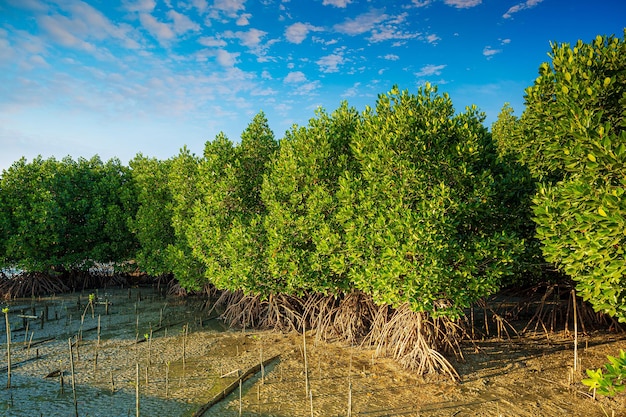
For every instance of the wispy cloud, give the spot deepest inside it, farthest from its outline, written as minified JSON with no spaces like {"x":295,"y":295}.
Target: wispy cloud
{"x":243,"y":20}
{"x":361,"y":24}
{"x":141,"y":6}
{"x":391,"y":29}
{"x":521,"y":6}
{"x":352,"y":91}
{"x":294,"y":77}
{"x":463,"y":4}
{"x":337,"y":3}
{"x":297,"y":32}
{"x":226,"y":59}
{"x":200,"y":5}
{"x":80,"y":24}
{"x":330,"y":63}
{"x":301,"y":85}
{"x":210,"y":41}
{"x":250,"y":39}
{"x":182,"y":23}
{"x":489,"y":52}
{"x":429,"y":70}
{"x":306,"y":89}
{"x":229,"y":8}
{"x":421,"y":3}
{"x":432,"y":38}
{"x":161,"y":31}
{"x":391,"y":57}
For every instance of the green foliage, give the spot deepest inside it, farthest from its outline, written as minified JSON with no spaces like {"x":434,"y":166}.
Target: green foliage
{"x":65,"y":215}
{"x":572,"y":138}
{"x":423,"y":216}
{"x":613,"y":381}
{"x":226,"y":231}
{"x":305,"y":248}
{"x":152,"y":224}
{"x":182,"y":184}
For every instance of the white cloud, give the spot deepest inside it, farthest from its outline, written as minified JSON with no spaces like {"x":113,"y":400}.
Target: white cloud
{"x":337,"y":3}
{"x":505,"y":41}
{"x":58,"y":27}
{"x":159,"y":30}
{"x":421,"y":3}
{"x":200,"y":5}
{"x":250,"y":39}
{"x":264,"y":92}
{"x":226,"y":59}
{"x":182,"y":23}
{"x":528,"y":4}
{"x":352,"y":91}
{"x":361,"y":24}
{"x":432,"y":38}
{"x":391,"y":57}
{"x":229,"y":7}
{"x":295,"y":77}
{"x":488,"y":51}
{"x":429,"y":70}
{"x":306,"y":88}
{"x":330,"y":63}
{"x":81,"y":23}
{"x":32,"y":5}
{"x":141,"y":6}
{"x":243,"y":20}
{"x":266,"y":75}
{"x":298,"y":32}
{"x":463,"y":4}
{"x":210,"y":41}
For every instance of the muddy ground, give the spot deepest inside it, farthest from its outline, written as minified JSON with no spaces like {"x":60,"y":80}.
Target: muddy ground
{"x":526,"y":376}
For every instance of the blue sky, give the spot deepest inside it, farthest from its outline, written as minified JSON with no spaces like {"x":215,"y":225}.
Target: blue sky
{"x":116,"y":78}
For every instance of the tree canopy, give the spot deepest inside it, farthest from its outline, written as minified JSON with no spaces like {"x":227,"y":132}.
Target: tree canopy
{"x":572,"y":138}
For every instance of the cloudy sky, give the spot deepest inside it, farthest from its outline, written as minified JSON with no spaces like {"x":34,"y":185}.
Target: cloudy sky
{"x":119,"y":77}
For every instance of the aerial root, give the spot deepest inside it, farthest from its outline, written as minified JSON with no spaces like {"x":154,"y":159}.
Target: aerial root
{"x":30,"y":285}
{"x":348,"y":318}
{"x":415,"y":340}
{"x":279,"y":312}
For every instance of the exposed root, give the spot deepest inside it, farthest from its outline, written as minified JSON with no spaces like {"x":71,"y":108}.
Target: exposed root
{"x":554,"y":309}
{"x":31,"y":285}
{"x":279,"y":312}
{"x":347,"y":318}
{"x":415,"y":340}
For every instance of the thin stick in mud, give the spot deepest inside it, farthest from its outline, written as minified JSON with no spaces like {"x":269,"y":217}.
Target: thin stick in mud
{"x":137,"y":389}
{"x":69,"y":341}
{"x":575,"y":332}
{"x":306,"y":363}
{"x":8,"y":327}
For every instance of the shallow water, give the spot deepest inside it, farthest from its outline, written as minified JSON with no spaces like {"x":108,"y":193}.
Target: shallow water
{"x":132,"y":315}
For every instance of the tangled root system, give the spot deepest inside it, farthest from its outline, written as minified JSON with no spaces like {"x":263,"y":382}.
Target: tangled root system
{"x":30,"y":285}
{"x":279,"y":312}
{"x":415,"y":340}
{"x":348,"y":318}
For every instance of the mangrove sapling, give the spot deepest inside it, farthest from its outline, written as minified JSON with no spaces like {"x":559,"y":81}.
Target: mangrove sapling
{"x":5,"y":310}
